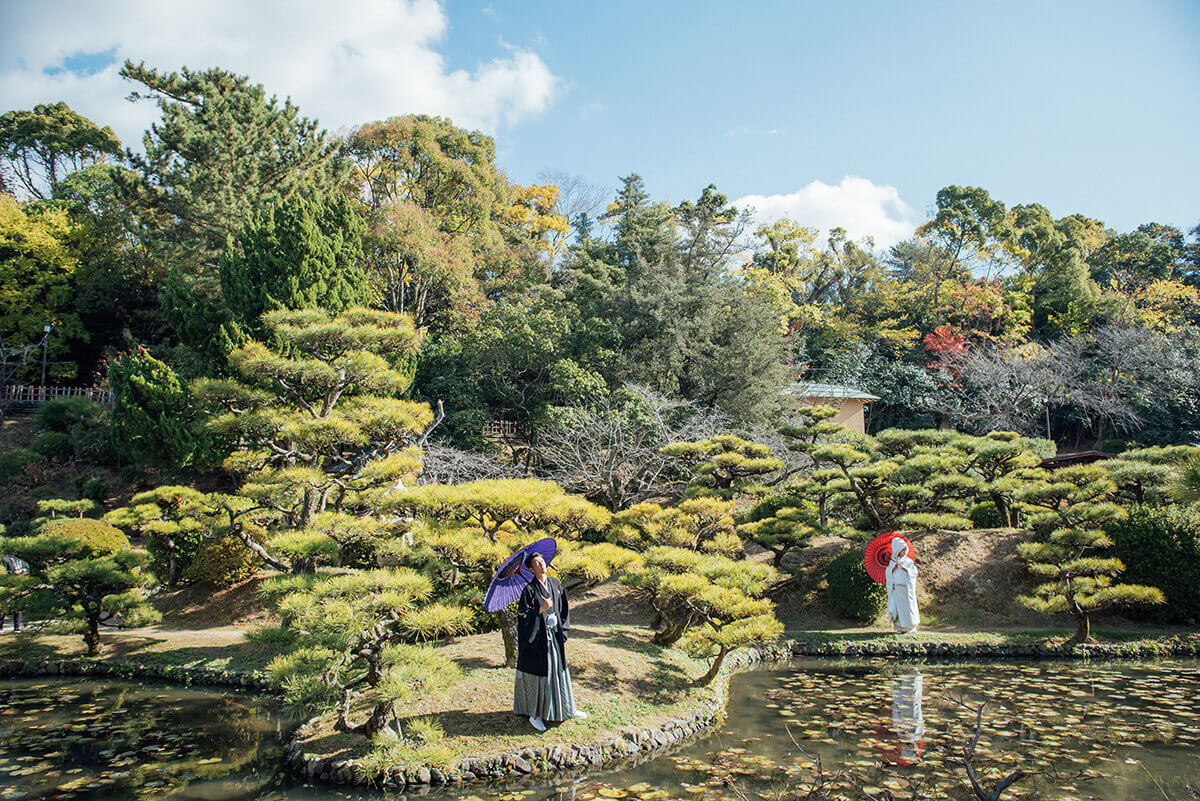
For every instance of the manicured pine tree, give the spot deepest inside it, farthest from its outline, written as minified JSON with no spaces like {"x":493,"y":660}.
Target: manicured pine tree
{"x":711,"y":602}
{"x":357,"y":646}
{"x":724,"y":466}
{"x":470,"y":529}
{"x":80,"y":571}
{"x":318,"y":423}
{"x":781,"y":523}
{"x":1072,"y":505}
{"x":171,"y":519}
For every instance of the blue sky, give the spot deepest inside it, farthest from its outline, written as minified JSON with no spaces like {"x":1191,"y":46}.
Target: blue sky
{"x":1084,"y":107}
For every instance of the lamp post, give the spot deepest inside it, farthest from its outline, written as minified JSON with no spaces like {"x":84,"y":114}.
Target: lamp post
{"x":45,"y":347}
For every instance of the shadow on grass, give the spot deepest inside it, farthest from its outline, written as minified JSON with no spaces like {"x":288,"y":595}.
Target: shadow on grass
{"x":461,"y":723}
{"x":147,"y":650}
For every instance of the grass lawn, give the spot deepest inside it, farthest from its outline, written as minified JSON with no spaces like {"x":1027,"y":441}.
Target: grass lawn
{"x":620,"y":678}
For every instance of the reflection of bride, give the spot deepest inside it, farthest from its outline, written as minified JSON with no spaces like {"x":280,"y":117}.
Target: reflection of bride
{"x":908,"y":722}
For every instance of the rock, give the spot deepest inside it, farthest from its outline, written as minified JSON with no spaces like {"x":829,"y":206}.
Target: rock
{"x":521,"y":764}
{"x":423,"y":775}
{"x":467,"y":776}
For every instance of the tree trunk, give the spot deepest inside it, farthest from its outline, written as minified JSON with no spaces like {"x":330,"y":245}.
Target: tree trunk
{"x":1001,"y":504}
{"x":91,"y":637}
{"x":260,"y":551}
{"x":508,"y":630}
{"x":172,"y":564}
{"x":670,"y":634}
{"x":707,"y":678}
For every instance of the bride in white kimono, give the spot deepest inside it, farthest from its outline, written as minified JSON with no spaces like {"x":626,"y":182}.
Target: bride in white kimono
{"x":902,"y":589}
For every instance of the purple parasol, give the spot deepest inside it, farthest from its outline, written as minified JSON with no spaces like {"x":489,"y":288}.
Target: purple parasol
{"x":512,"y":576}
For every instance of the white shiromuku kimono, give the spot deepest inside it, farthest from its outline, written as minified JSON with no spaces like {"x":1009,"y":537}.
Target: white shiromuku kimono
{"x":902,"y":589}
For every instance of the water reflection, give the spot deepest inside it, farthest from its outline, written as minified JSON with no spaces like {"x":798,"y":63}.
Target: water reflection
{"x":908,"y":723}
{"x":77,"y":739}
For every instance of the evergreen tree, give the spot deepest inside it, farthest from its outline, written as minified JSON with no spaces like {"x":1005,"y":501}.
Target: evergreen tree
{"x":294,"y":254}
{"x":221,"y":150}
{"x":1071,"y":506}
{"x":80,"y":571}
{"x":318,"y":424}
{"x":711,"y":602}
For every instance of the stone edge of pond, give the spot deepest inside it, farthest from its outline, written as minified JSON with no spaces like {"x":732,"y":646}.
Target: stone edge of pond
{"x":900,"y":649}
{"x":175,"y":674}
{"x":546,"y":760}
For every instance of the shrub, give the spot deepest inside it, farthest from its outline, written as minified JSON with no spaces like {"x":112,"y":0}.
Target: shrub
{"x":99,"y":536}
{"x":1160,"y":547}
{"x":92,"y":440}
{"x":221,"y":562}
{"x":851,"y":591}
{"x":54,"y":445}
{"x":62,"y":413}
{"x":985,"y":515}
{"x":154,"y":420}
{"x":94,"y":488}
{"x":14,"y":462}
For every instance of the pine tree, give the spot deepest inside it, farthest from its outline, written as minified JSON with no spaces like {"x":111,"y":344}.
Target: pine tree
{"x":710,"y":601}
{"x":221,"y":150}
{"x":318,"y":424}
{"x":725,"y":466}
{"x":81,"y":571}
{"x":1072,"y":505}
{"x":356,"y":639}
{"x":170,"y":519}
{"x":470,"y":529}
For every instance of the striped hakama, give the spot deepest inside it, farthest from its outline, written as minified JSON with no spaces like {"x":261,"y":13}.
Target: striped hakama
{"x":547,"y":697}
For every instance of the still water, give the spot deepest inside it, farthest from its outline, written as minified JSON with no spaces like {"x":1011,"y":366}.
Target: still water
{"x":1102,"y":731}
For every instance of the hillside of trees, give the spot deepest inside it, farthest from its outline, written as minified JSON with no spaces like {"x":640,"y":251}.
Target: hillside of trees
{"x":540,"y":305}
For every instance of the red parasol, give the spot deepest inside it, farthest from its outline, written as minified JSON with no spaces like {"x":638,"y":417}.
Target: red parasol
{"x":879,"y":553}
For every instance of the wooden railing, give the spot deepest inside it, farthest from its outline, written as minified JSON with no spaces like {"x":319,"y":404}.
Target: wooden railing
{"x":16,"y":393}
{"x":501,"y":429}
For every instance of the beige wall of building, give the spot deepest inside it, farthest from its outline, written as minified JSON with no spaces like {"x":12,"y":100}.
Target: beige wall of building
{"x":851,"y":411}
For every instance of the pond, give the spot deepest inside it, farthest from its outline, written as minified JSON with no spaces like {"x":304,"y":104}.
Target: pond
{"x":1103,"y":731}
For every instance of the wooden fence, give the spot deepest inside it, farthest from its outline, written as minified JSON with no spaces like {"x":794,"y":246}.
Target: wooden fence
{"x":501,"y":429}
{"x":16,"y":394}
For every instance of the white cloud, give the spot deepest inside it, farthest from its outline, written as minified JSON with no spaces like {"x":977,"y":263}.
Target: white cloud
{"x":856,"y":204}
{"x":344,"y":63}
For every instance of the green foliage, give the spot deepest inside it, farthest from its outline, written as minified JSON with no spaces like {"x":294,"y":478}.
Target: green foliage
{"x":54,"y":445}
{"x":1072,"y":507}
{"x":711,"y":601}
{"x":297,"y":253}
{"x":222,"y":148}
{"x":155,"y":421}
{"x":781,"y":523}
{"x":14,"y":462}
{"x":984,"y":515}
{"x":95,"y":537}
{"x":61,"y":414}
{"x":81,"y":571}
{"x":220,"y":561}
{"x":173,"y":521}
{"x":350,"y":630}
{"x":725,"y":466}
{"x":37,"y":265}
{"x":1160,"y":547}
{"x":851,"y":591}
{"x":698,"y":524}
{"x":42,"y":145}
{"x":317,"y":418}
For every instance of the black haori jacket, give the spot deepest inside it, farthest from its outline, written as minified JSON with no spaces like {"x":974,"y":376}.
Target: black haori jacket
{"x":533,"y":652}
